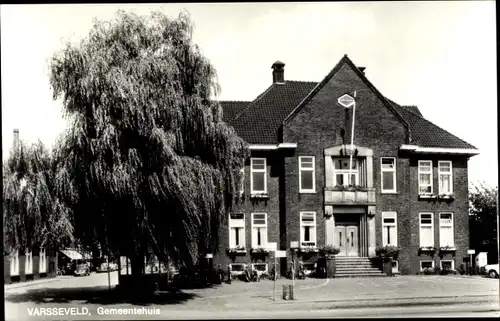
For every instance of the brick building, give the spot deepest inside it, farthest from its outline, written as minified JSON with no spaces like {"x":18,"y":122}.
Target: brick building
{"x":407,"y":185}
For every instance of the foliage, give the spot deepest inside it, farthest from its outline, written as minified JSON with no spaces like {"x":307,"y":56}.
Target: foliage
{"x":33,"y":216}
{"x":387,"y":251}
{"x":328,"y":250}
{"x":483,"y":210}
{"x":150,"y":165}
{"x":349,"y":188}
{"x":259,"y":250}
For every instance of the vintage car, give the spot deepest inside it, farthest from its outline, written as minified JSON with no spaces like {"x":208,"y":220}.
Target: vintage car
{"x":82,"y":270}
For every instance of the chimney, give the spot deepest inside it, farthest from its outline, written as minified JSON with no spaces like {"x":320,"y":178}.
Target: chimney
{"x":278,"y":72}
{"x":362,"y":69}
{"x":15,"y":143}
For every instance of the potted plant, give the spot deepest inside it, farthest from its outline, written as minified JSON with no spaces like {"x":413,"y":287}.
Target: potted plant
{"x":259,"y":250}
{"x":237,"y":249}
{"x":328,"y":251}
{"x":446,"y":196}
{"x":429,"y":250}
{"x":427,"y":195}
{"x":386,"y":255}
{"x":259,"y":195}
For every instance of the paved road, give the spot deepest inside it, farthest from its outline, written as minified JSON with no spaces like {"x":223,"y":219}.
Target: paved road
{"x":417,"y":296}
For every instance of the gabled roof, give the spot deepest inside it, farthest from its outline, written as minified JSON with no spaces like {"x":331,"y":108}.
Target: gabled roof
{"x":231,"y":109}
{"x":413,"y":109}
{"x":346,"y":61}
{"x":260,"y":121}
{"x":426,"y":134}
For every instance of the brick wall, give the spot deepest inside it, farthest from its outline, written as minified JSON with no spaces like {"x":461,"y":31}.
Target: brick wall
{"x":317,"y":126}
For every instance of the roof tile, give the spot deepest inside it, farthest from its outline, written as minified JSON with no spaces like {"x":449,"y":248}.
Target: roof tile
{"x":258,"y":122}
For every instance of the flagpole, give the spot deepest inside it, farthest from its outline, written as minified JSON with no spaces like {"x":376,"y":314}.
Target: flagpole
{"x":352,"y":139}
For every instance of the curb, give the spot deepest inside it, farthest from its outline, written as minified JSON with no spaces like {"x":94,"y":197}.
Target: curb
{"x":382,"y":302}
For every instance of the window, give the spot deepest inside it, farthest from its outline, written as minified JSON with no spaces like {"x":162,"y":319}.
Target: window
{"x":307,"y":174}
{"x":445,"y":177}
{"x":29,"y":263}
{"x":425,"y":177}
{"x":14,"y":263}
{"x":236,"y":230}
{"x":426,"y":265}
{"x":389,"y":229}
{"x":43,"y":261}
{"x":426,"y":230}
{"x":259,"y":230}
{"x":307,"y":229}
{"x":388,"y":172}
{"x":259,"y":175}
{"x":341,"y":172}
{"x":446,"y":230}
{"x":260,"y":267}
{"x":237,"y":268}
{"x":447,"y":265}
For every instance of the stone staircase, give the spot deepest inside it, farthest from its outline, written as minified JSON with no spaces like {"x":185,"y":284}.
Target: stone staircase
{"x":346,"y":267}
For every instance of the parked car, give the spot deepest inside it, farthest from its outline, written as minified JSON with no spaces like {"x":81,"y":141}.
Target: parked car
{"x":82,"y":270}
{"x":492,"y":270}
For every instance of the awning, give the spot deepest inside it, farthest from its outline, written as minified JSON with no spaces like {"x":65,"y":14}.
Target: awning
{"x":72,"y":254}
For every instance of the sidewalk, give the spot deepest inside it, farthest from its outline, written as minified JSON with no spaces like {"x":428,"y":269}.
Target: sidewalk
{"x":30,"y":283}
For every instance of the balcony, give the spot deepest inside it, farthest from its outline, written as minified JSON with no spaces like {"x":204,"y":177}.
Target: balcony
{"x":349,"y":196}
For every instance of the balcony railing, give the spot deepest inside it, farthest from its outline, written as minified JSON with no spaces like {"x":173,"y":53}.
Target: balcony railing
{"x":346,"y":196}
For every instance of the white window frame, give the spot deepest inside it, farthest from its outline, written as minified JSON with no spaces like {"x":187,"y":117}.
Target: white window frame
{"x":388,"y":170}
{"x":258,"y":271}
{"x":28,"y":266}
{"x":427,"y":225}
{"x":393,"y":215}
{"x":432,"y":261}
{"x":452,"y":225}
{"x":307,"y":169}
{"x":42,"y":261}
{"x":14,"y":263}
{"x":236,"y":273}
{"x":237,"y":223}
{"x":252,"y":171}
{"x":450,"y":173}
{"x":345,"y":172}
{"x":312,"y":234}
{"x":254,"y":239}
{"x":425,"y":172}
{"x":452,"y":264}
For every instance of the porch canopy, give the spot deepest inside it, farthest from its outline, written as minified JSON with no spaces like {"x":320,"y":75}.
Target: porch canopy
{"x":72,"y":254}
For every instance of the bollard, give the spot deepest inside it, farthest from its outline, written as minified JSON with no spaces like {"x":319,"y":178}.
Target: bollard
{"x":284,"y":292}
{"x":290,"y":292}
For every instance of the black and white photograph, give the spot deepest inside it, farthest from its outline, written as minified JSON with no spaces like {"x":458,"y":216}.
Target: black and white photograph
{"x":267,"y":160}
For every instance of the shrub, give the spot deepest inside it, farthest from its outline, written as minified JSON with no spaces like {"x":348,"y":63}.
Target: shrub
{"x":387,"y":251}
{"x":328,"y":250}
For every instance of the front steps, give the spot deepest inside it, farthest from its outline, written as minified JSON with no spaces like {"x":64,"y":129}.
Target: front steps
{"x":346,"y":267}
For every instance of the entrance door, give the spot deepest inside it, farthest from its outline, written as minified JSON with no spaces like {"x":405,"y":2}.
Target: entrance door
{"x":346,"y":239}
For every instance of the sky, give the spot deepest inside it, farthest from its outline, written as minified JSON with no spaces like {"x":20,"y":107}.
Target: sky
{"x":440,"y":56}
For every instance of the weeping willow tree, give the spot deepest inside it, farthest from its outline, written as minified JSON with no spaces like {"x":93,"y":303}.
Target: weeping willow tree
{"x":33,"y":215}
{"x":150,"y":165}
